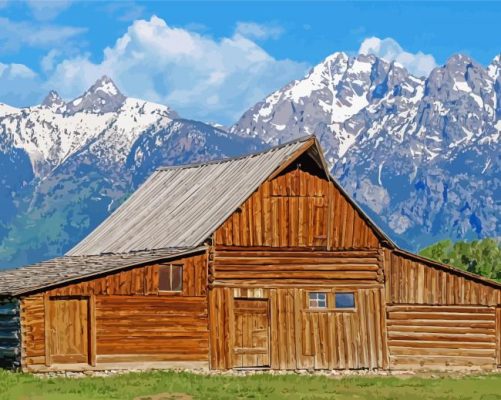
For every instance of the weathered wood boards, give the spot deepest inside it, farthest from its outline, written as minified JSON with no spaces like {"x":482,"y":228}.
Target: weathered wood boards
{"x":299,"y":208}
{"x":449,"y":336}
{"x":118,"y":318}
{"x":301,"y":338}
{"x":251,"y":347}
{"x":411,"y":281}
{"x":9,"y":333}
{"x":68,"y":330}
{"x":438,"y":317}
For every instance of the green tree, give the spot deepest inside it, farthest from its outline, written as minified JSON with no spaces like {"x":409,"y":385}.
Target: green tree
{"x":481,"y":257}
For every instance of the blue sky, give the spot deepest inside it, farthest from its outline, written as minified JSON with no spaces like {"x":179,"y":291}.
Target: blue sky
{"x":211,"y":61}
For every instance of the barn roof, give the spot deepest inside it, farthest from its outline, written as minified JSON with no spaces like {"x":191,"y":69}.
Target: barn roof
{"x":69,"y":268}
{"x":182,"y":206}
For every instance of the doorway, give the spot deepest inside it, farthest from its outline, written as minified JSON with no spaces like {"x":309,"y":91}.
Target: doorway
{"x":252,"y":333}
{"x":68,"y":330}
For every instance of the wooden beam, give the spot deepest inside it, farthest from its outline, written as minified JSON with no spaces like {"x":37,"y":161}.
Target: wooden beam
{"x":47,"y":328}
{"x":92,"y":330}
{"x":294,"y":156}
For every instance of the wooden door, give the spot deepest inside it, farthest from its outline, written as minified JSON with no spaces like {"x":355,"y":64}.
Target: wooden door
{"x":252,"y":333}
{"x":68,"y":334}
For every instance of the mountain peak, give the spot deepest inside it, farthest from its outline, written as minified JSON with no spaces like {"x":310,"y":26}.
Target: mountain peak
{"x":52,"y":99}
{"x":459,"y":60}
{"x":106,"y":85}
{"x":102,"y":97}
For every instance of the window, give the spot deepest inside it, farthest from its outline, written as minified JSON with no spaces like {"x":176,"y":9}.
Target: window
{"x":318,"y":300}
{"x":170,"y":278}
{"x":345,"y":300}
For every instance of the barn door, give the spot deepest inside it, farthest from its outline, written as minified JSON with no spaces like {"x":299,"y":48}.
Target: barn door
{"x":68,"y":330}
{"x":252,"y":333}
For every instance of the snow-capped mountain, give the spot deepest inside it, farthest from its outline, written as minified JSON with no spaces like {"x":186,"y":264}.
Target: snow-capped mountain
{"x":64,"y":166}
{"x":54,"y":130}
{"x":420,"y":154}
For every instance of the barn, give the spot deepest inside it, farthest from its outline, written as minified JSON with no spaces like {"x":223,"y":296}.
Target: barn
{"x":260,"y":262}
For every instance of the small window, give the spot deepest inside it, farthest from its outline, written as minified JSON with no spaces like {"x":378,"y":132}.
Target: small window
{"x":345,"y":300}
{"x":170,"y":278}
{"x":318,"y":300}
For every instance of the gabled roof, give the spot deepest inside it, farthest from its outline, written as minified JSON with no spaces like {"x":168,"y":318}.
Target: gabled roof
{"x":69,"y":268}
{"x":182,"y":206}
{"x":172,"y":214}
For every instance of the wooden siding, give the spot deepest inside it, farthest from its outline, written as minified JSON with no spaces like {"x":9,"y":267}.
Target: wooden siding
{"x":141,"y":281}
{"x":302,"y":338}
{"x":167,"y":328}
{"x":425,"y":336}
{"x":409,"y":281}
{"x":298,"y":208}
{"x":10,"y":346}
{"x":33,"y":330}
{"x":276,"y":267}
{"x":133,"y":320}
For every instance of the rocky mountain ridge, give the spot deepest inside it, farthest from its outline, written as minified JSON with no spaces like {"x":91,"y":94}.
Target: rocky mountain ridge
{"x":421,"y":155}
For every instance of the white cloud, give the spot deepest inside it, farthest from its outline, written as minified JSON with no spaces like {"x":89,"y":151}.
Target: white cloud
{"x":45,"y":10}
{"x":14,"y":35}
{"x":253,"y":30}
{"x":198,"y":76}
{"x":419,"y":64}
{"x":18,"y":84}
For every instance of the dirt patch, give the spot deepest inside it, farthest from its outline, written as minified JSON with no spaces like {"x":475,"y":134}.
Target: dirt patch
{"x":165,"y":396}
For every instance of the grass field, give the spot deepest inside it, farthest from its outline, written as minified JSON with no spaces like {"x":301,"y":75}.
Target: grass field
{"x":185,"y":386}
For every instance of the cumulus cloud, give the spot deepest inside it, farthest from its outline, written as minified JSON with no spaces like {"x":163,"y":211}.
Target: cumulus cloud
{"x":253,"y":30}
{"x":198,"y":76}
{"x":14,"y":35}
{"x":388,"y":49}
{"x":18,"y":84}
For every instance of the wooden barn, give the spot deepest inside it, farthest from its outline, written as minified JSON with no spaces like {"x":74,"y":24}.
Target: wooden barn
{"x":261,"y":261}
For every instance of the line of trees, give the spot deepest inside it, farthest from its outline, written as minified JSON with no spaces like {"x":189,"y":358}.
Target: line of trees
{"x":481,"y":257}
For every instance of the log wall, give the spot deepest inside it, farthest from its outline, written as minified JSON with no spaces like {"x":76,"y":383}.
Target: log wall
{"x":438,"y":317}
{"x":133,"y":321}
{"x":298,"y":208}
{"x":442,"y":336}
{"x":10,"y":346}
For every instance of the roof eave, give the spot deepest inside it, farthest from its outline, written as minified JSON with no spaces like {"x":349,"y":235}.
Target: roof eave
{"x":103,"y":272}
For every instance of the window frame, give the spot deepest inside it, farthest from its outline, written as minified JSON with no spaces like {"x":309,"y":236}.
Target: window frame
{"x":310,"y":307}
{"x":171,"y":268}
{"x":330,"y":301}
{"x":347,"y":309}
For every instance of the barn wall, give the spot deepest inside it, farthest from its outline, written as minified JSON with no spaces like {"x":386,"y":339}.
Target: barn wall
{"x":301,"y":338}
{"x":410,"y":281}
{"x":437,"y":317}
{"x":298,"y":208}
{"x":134,"y":322}
{"x":10,"y":346}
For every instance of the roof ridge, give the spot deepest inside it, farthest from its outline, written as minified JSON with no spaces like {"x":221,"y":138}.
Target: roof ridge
{"x":241,"y":157}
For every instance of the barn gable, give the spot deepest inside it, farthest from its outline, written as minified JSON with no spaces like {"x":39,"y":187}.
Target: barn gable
{"x":300,"y":205}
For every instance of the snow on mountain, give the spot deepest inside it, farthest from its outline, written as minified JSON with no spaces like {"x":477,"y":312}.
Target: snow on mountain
{"x":420,"y":155}
{"x":64,"y":166}
{"x":6,"y":109}
{"x":52,"y":131}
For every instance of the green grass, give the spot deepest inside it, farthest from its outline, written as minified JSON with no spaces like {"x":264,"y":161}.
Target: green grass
{"x":185,"y":386}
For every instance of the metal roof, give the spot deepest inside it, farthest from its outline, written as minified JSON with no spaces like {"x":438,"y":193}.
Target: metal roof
{"x":182,"y":206}
{"x":69,"y":268}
